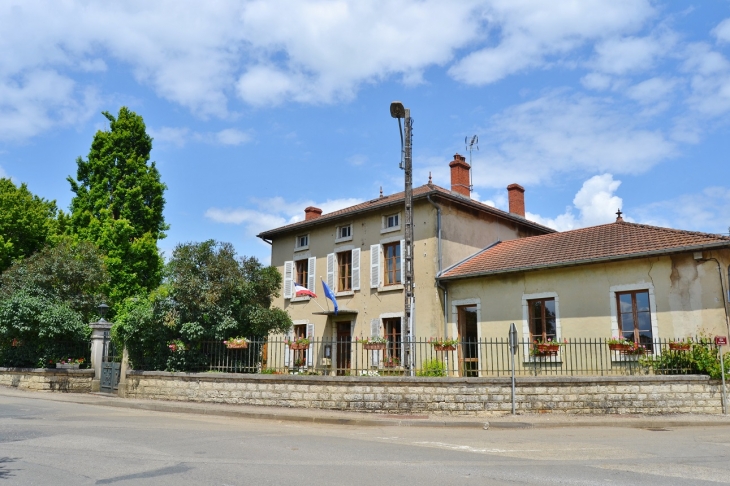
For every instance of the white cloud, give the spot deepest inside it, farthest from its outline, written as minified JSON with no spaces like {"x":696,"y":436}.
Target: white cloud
{"x":172,"y":135}
{"x":722,"y":31}
{"x":595,"y":202}
{"x":708,"y":211}
{"x":533,"y":33}
{"x":3,"y":174}
{"x":652,"y":90}
{"x":232,"y":136}
{"x":561,"y":133}
{"x":358,"y":160}
{"x":273,"y":212}
{"x":623,"y":55}
{"x":180,"y":136}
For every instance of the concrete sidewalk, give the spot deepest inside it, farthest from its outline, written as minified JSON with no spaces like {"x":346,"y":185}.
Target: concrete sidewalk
{"x":363,"y":419}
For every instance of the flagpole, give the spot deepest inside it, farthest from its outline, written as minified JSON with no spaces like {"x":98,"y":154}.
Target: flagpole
{"x":328,"y":304}
{"x":315,"y":301}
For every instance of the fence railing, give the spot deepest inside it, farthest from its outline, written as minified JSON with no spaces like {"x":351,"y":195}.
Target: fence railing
{"x":475,"y":358}
{"x":43,"y":355}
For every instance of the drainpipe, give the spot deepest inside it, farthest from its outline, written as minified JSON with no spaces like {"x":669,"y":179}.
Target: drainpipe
{"x":722,"y":290}
{"x":438,"y":275}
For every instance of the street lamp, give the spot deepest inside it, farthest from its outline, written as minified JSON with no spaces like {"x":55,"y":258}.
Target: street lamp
{"x":397,"y":110}
{"x":103,"y":308}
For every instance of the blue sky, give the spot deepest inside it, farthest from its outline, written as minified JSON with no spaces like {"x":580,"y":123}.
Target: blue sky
{"x":259,"y":109}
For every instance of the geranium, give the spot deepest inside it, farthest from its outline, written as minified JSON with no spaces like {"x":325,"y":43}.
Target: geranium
{"x":443,"y":342}
{"x":65,"y":361}
{"x":372,"y":340}
{"x":236,"y":341}
{"x":619,"y":340}
{"x":302,"y":341}
{"x":176,"y":345}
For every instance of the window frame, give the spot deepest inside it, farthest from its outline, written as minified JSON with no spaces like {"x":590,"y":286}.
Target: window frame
{"x":396,"y":266}
{"x":304,"y":263}
{"x":393,"y":346}
{"x":384,"y":223}
{"x":636,"y":338}
{"x":532,"y":318}
{"x":297,"y":247}
{"x":346,"y":275}
{"x":338,"y":233}
{"x":300,"y":355}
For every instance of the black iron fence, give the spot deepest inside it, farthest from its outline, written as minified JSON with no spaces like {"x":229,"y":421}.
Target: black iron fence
{"x":477,"y":358}
{"x":20,"y":354}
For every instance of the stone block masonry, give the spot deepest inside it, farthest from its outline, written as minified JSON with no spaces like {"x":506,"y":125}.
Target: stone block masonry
{"x":440,"y":396}
{"x":50,"y":380}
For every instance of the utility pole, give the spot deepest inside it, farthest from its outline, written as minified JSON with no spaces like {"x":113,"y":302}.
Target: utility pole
{"x":397,"y":110}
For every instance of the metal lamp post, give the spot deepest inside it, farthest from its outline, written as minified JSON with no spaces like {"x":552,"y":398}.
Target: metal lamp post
{"x":398,"y":111}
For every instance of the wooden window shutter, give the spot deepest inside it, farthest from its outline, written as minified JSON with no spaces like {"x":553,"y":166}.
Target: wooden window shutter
{"x":402,"y":261}
{"x":331,"y":264}
{"x":374,"y":266}
{"x":356,"y":269}
{"x":311,"y":271}
{"x":374,"y":332}
{"x":288,"y":279}
{"x":287,"y":351}
{"x":310,"y":336}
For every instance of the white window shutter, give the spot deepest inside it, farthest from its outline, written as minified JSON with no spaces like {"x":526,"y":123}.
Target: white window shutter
{"x":331,"y":271}
{"x":402,"y":261}
{"x":287,"y":351}
{"x":310,"y":351}
{"x":374,"y":266}
{"x":356,"y":269}
{"x":288,"y":279}
{"x":375,"y":332}
{"x":311,"y":271}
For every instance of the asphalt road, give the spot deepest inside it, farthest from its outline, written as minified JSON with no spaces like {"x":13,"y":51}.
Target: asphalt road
{"x":48,"y":442}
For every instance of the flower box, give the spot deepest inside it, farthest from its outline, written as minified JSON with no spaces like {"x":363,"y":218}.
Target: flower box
{"x":680,"y":346}
{"x":298,"y":346}
{"x":617,"y":346}
{"x":236,"y":345}
{"x":67,"y":366}
{"x":444,"y":347}
{"x":373,"y":346}
{"x":391,"y":363}
{"x":547,"y":349}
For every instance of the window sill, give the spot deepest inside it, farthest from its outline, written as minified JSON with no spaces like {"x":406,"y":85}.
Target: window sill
{"x":342,"y":240}
{"x":391,"y":288}
{"x":300,"y":299}
{"x":301,"y":248}
{"x":345,"y":293}
{"x":390,"y":230}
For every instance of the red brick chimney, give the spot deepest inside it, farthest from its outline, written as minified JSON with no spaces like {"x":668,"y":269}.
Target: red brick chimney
{"x":312,"y":213}
{"x":516,"y":194}
{"x":460,"y":182}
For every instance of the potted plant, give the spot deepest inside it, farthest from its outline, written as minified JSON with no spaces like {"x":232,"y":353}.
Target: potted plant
{"x":634,"y":349}
{"x":443,"y":344}
{"x":680,"y":344}
{"x":236,"y":343}
{"x":69,"y":363}
{"x":391,"y":362}
{"x":618,"y":343}
{"x":373,"y":343}
{"x":297,"y":343}
{"x":546,"y":347}
{"x":176,"y":345}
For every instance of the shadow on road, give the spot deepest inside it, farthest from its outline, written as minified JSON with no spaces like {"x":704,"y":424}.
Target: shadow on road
{"x":179,"y":468}
{"x":6,"y":473}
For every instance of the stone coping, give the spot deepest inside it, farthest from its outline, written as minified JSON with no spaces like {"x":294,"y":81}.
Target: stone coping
{"x":48,"y":371}
{"x":413,"y":380}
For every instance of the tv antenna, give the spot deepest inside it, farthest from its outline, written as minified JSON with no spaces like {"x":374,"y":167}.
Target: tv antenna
{"x":470,"y":147}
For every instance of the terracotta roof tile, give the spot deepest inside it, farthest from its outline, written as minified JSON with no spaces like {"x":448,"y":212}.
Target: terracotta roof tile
{"x":613,"y":241}
{"x":418,"y":192}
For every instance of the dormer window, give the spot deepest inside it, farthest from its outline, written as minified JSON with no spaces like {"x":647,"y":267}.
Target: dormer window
{"x":301,"y":242}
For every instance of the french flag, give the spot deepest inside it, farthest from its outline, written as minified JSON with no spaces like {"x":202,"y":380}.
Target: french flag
{"x":300,"y":291}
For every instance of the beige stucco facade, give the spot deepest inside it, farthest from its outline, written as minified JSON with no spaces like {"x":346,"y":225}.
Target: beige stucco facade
{"x":464,"y":230}
{"x":686,"y":296}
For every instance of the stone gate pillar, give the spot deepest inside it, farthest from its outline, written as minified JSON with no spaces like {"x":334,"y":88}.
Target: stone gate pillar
{"x":99,"y":333}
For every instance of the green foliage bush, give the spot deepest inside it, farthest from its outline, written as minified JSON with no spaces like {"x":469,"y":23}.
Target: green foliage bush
{"x":434,"y":367}
{"x":35,"y":330}
{"x":703,"y":358}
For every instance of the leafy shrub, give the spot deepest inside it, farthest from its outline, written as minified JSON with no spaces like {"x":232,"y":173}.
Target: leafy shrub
{"x":434,"y":367}
{"x":702,"y":359}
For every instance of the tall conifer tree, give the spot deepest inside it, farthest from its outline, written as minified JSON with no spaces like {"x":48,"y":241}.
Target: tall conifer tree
{"x":119,"y":202}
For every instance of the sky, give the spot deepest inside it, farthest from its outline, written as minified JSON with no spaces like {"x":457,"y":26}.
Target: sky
{"x":259,"y":109}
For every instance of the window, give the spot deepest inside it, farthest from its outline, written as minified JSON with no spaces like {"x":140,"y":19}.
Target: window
{"x":393,"y":335}
{"x":391,"y":252}
{"x":300,"y":355}
{"x":634,"y":317}
{"x":344,"y":271}
{"x":542,"y":319}
{"x":302,"y":241}
{"x":344,"y":232}
{"x":392,"y":221}
{"x":302,"y":272}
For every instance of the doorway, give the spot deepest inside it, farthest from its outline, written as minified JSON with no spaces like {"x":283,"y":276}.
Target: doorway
{"x":468,"y":341}
{"x":344,"y":348}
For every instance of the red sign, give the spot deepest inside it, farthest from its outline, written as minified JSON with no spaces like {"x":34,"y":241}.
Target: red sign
{"x":720,"y":341}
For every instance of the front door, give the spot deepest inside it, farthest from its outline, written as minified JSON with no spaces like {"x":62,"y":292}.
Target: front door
{"x":469,"y":341}
{"x":344,"y":347}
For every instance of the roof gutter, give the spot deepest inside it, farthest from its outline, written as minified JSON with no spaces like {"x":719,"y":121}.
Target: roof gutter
{"x":526,"y":268}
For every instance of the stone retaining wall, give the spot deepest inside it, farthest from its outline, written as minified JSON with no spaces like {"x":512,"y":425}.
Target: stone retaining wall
{"x":452,"y":396}
{"x":73,"y":381}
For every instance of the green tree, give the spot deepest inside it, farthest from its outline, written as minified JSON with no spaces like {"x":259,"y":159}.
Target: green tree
{"x":209,"y":295}
{"x":27,"y":222}
{"x":71,"y":272}
{"x":118,"y":204}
